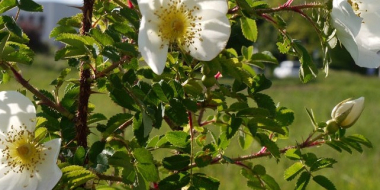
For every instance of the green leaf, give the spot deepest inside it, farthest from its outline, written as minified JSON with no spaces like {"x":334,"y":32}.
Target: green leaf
{"x":40,"y":134}
{"x":67,"y":127}
{"x":190,"y":104}
{"x":140,"y":183}
{"x":175,"y":181}
{"x":131,"y":16}
{"x":116,"y":121}
{"x":145,"y":164}
{"x":4,"y":37}
{"x":309,"y":158}
{"x":284,"y":47}
{"x":271,"y":146}
{"x":265,"y":101}
{"x":18,"y":57}
{"x":70,"y":52}
{"x":178,"y":138}
{"x":259,"y":169}
{"x":76,"y":175}
{"x":176,"y":162}
{"x":293,"y":171}
{"x":74,"y":21}
{"x":121,"y":159}
{"x":270,"y":182}
{"x":119,"y":93}
{"x":59,"y":81}
{"x":324,"y":182}
{"x":61,"y":29}
{"x":111,"y":52}
{"x":95,"y":150}
{"x":177,"y":112}
{"x":259,"y":4}
{"x":284,"y":116}
{"x":96,"y":117}
{"x":143,"y":156}
{"x":293,"y":154}
{"x":46,"y":109}
{"x":308,"y":69}
{"x":203,"y":182}
{"x":192,"y":87}
{"x":245,"y":138}
{"x":248,"y":174}
{"x":30,"y":6}
{"x":202,"y":159}
{"x":101,"y":163}
{"x":163,"y":91}
{"x":343,"y":146}
{"x":322,"y":163}
{"x":263,"y":57}
{"x":11,"y":25}
{"x":69,"y":100}
{"x":148,"y":124}
{"x":260,"y":83}
{"x":267,"y":124}
{"x":79,"y":156}
{"x":247,"y":52}
{"x":312,"y":117}
{"x":255,"y":184}
{"x":139,"y":128}
{"x":303,"y":180}
{"x":360,"y":139}
{"x":129,"y":175}
{"x":249,"y":28}
{"x":237,"y":106}
{"x":76,"y":40}
{"x":233,"y":126}
{"x":353,"y":144}
{"x":6,"y":5}
{"x":333,"y":145}
{"x":126,"y":48}
{"x":102,"y":38}
{"x":253,"y":112}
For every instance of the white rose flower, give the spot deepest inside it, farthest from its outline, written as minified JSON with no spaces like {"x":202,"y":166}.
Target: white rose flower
{"x":346,"y":113}
{"x":356,"y":22}
{"x":199,"y":27}
{"x":25,"y":164}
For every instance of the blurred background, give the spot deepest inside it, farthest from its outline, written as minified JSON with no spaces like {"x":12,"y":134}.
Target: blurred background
{"x":353,"y":171}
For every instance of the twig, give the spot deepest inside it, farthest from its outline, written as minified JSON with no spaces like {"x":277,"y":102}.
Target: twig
{"x":46,"y":101}
{"x":259,"y":154}
{"x":85,"y":86}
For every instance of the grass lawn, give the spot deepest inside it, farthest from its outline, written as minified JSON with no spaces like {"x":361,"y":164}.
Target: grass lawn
{"x":356,"y":171}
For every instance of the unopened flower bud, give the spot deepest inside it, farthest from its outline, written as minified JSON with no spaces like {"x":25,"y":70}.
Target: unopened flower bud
{"x":331,"y":126}
{"x":347,"y":112}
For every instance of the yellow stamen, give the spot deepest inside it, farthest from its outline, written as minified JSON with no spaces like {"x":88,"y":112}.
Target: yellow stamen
{"x":21,"y":153}
{"x":178,"y":24}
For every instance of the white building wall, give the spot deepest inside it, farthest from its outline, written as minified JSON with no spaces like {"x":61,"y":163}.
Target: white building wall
{"x":54,"y":10}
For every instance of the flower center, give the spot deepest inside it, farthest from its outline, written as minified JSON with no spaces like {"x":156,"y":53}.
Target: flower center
{"x":21,"y":153}
{"x":355,"y":6}
{"x":177,"y":24}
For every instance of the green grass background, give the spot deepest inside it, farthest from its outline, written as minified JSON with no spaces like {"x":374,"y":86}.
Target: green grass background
{"x":353,"y":171}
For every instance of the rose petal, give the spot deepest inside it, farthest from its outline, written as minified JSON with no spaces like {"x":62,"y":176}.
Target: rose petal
{"x":49,"y":173}
{"x":215,"y":5}
{"x":152,"y":48}
{"x":215,"y":34}
{"x":21,"y":180}
{"x":16,"y":110}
